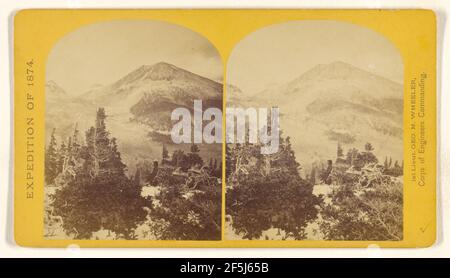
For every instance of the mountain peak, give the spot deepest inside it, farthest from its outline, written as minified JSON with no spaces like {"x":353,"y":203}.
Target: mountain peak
{"x":163,"y":65}
{"x":50,"y":83}
{"x":161,"y":71}
{"x":335,"y":69}
{"x":340,"y":64}
{"x":156,"y":72}
{"x":53,"y":88}
{"x":340,"y":70}
{"x":160,"y":77}
{"x":336,"y":77}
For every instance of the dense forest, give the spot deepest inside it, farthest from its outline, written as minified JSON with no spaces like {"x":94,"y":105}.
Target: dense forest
{"x":267,"y":198}
{"x":90,"y":194}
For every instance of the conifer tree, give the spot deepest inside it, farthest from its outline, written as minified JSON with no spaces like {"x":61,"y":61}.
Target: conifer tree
{"x":194,"y":148}
{"x":230,"y":157}
{"x":51,"y":160}
{"x":62,"y":157}
{"x":115,"y":164}
{"x":76,"y":141}
{"x":193,"y":157}
{"x":312,"y":176}
{"x":102,"y":143}
{"x":137,"y":177}
{"x":165,"y":153}
{"x":69,"y":146}
{"x":100,"y":196}
{"x":340,"y":151}
{"x":259,"y":199}
{"x":368,"y":147}
{"x":214,"y":165}
{"x":386,"y":163}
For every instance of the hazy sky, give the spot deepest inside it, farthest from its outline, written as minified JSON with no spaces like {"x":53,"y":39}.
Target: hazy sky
{"x":102,"y":53}
{"x":280,"y":53}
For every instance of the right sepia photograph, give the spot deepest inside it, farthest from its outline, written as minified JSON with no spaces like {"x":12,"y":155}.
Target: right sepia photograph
{"x":336,"y":172}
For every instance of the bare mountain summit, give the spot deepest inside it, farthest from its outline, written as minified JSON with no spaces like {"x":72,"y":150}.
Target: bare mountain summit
{"x":138,"y":105}
{"x":53,"y":90}
{"x":161,"y":78}
{"x":335,"y":103}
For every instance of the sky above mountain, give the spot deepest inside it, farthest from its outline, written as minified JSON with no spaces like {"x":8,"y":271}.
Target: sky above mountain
{"x":334,"y":78}
{"x":103,"y":53}
{"x":280,"y":53}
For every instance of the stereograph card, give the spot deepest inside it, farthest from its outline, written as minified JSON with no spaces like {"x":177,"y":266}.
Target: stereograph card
{"x":225,"y":128}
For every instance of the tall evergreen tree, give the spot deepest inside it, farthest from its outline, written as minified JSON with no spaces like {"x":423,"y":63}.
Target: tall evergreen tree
{"x":69,"y":146}
{"x":194,"y":148}
{"x":115,"y":164}
{"x":340,"y":151}
{"x":214,"y":165}
{"x":137,"y":177}
{"x":193,"y":158}
{"x":266,"y":191}
{"x":180,"y":159}
{"x":102,"y":143}
{"x":100,"y":196}
{"x":312,"y":176}
{"x":76,"y":144}
{"x":62,"y":157}
{"x":165,"y":152}
{"x":386,"y":163}
{"x":368,"y":147}
{"x":51,"y":160}
{"x":90,"y":165}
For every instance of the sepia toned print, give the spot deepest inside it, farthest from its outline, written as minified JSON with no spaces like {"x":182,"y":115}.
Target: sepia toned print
{"x":338,"y":172}
{"x":111,"y":168}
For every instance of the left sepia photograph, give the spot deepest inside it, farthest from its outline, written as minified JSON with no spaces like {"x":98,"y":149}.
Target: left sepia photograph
{"x":112,"y":169}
